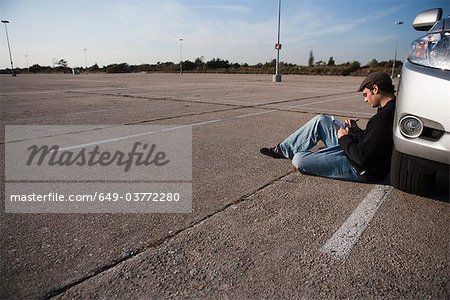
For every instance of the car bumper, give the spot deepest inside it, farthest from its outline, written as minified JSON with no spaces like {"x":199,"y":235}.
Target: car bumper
{"x":435,"y":151}
{"x":423,"y":93}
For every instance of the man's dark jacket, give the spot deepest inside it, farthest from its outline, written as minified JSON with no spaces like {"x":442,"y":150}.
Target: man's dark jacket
{"x":370,"y":150}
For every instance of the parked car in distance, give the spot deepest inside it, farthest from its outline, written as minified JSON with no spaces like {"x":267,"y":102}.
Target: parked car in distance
{"x":422,"y":117}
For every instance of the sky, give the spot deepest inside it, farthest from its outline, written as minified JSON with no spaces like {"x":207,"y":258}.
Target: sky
{"x":245,"y":31}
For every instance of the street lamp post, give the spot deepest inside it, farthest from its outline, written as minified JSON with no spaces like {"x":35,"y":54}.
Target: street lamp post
{"x":181,"y":56}
{"x":396,"y":46}
{"x":9,"y":47}
{"x":85,"y":60}
{"x":26,"y":58}
{"x":277,"y":76}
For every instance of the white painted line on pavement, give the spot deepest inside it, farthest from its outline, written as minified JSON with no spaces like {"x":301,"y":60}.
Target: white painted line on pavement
{"x":341,"y":243}
{"x":323,"y":101}
{"x":162,"y":130}
{"x":333,"y":111}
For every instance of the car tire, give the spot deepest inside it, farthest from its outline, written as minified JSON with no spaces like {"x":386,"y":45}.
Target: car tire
{"x":409,"y":176}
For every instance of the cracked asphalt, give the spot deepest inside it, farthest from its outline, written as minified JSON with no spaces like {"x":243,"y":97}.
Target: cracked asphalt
{"x":257,"y":226}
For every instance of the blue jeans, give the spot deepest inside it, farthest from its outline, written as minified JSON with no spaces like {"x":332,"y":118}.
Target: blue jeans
{"x":329,"y":162}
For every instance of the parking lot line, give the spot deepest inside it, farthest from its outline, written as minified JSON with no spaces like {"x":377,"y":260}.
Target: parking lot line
{"x":162,"y":130}
{"x":334,"y":111}
{"x":341,"y":243}
{"x":323,"y":101}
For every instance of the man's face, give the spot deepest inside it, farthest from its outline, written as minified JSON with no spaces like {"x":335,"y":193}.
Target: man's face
{"x":370,"y":97}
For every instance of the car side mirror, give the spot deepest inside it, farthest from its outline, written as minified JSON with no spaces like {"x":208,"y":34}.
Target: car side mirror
{"x":426,"y":19}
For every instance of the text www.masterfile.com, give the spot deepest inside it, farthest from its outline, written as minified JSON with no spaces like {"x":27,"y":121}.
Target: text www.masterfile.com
{"x":98,"y":196}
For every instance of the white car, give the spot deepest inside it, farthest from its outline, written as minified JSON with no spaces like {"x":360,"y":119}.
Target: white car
{"x":422,"y":118}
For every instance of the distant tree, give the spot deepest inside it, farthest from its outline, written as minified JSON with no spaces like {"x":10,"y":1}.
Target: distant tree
{"x":142,"y":68}
{"x":218,"y":63}
{"x":331,"y":62}
{"x":355,"y":65}
{"x":118,"y":68}
{"x":352,"y":67}
{"x":189,"y":65}
{"x":272,"y":64}
{"x":168,"y":67}
{"x":311,"y":59}
{"x":373,"y":63}
{"x":199,"y":61}
{"x":39,"y":69}
{"x":94,"y":67}
{"x":35,"y":68}
{"x":62,"y":63}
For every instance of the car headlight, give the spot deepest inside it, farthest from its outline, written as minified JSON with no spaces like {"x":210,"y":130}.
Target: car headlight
{"x":432,"y":50}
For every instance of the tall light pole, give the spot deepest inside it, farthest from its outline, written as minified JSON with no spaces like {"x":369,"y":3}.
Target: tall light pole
{"x":9,"y":47}
{"x":181,"y":56}
{"x":396,"y":46}
{"x":26,"y":58}
{"x":277,"y":76}
{"x":85,"y":59}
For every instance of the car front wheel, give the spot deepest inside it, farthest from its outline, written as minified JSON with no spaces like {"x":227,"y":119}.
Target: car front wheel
{"x":408,"y":175}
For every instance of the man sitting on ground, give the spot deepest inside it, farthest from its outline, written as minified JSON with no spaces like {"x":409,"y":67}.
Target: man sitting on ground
{"x":350,"y":153}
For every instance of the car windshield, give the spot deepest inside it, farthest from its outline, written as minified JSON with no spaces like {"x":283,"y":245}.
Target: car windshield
{"x":442,"y":25}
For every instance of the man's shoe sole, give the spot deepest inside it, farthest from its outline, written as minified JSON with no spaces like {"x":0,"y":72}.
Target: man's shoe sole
{"x":271,"y":152}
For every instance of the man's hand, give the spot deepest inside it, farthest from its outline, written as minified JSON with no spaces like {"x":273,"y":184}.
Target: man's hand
{"x":341,"y":132}
{"x":351,"y":123}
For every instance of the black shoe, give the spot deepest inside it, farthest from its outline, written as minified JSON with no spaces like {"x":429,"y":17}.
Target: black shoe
{"x":274,"y":152}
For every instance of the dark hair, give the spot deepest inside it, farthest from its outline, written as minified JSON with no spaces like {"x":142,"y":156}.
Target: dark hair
{"x":380,"y":79}
{"x":383,"y":87}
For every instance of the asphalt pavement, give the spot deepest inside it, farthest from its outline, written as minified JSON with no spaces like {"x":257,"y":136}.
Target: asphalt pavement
{"x":258,"y":228}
